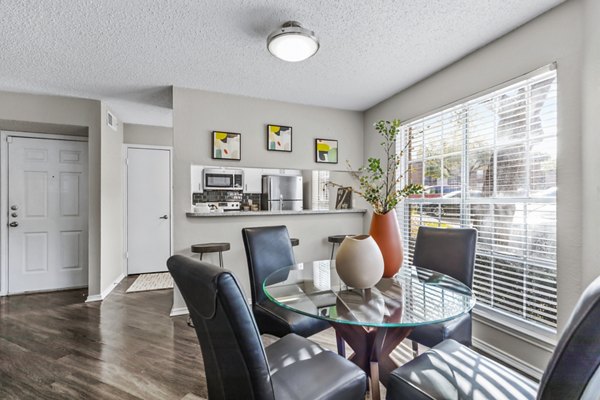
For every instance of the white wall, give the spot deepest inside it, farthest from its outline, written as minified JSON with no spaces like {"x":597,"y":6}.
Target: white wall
{"x":147,"y":135}
{"x":111,"y":198}
{"x":554,"y":36}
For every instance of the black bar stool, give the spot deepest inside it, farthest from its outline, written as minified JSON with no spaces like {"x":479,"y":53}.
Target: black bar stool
{"x":336,"y":239}
{"x":211,"y":248}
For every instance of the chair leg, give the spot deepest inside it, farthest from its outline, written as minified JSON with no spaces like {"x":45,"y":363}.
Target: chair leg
{"x":415,"y":348}
{"x":375,"y":395}
{"x":341,"y":345}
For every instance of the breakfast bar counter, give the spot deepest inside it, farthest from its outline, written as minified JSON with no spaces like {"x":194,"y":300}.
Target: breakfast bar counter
{"x":273,"y":213}
{"x":311,"y":227}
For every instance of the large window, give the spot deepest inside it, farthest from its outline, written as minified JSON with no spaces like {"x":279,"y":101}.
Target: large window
{"x":490,"y":163}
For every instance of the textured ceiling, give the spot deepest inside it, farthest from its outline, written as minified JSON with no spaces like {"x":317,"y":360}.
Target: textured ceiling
{"x":128,"y":52}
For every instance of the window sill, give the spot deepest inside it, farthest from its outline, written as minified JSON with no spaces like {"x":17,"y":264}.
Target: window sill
{"x":544,"y":338}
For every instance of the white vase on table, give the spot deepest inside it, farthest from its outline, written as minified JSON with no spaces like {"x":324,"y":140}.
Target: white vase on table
{"x":359,"y":262}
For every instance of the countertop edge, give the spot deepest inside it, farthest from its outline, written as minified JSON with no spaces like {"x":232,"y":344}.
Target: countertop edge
{"x":272,"y":213}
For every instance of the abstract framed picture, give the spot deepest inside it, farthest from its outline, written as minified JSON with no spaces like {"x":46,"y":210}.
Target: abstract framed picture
{"x":343,"y":200}
{"x":326,"y":151}
{"x":226,"y":145}
{"x":279,"y":138}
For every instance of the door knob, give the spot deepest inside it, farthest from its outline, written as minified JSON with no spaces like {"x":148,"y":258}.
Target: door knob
{"x":164,"y":217}
{"x":13,"y":224}
{"x":14,"y":207}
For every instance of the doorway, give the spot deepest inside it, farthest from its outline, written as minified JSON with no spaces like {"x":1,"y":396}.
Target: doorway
{"x":148,"y":208}
{"x":47,"y":194}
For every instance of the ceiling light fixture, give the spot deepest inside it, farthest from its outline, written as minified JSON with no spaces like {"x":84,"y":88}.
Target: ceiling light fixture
{"x":292,"y":42}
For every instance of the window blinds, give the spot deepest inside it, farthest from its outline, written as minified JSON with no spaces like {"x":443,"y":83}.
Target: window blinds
{"x":490,"y":163}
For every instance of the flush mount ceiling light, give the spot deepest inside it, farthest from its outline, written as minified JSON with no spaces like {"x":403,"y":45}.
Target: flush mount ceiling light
{"x":292,"y":42}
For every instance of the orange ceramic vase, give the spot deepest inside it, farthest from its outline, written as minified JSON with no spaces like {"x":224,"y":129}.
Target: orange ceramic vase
{"x":386,"y":232}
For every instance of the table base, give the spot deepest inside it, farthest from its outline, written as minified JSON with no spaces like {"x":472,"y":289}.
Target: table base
{"x":372,"y":347}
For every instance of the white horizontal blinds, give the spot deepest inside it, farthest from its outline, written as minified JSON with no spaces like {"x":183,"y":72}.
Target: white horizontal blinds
{"x":320,"y":192}
{"x":490,"y":163}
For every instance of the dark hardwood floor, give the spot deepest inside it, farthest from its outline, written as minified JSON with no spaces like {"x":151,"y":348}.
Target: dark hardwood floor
{"x":55,"y":346}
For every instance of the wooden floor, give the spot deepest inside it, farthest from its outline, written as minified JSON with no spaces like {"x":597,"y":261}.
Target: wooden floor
{"x":55,"y":346}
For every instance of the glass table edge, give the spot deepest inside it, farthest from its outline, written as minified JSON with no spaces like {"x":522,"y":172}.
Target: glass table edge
{"x":368,"y":324}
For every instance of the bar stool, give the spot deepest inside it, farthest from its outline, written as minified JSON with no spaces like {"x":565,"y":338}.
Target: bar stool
{"x":295,"y":241}
{"x":203,"y":248}
{"x":336,"y":239}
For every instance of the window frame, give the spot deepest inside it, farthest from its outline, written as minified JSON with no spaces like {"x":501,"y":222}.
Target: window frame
{"x":536,"y":333}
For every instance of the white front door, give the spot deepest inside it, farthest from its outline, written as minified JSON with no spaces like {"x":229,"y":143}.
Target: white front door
{"x":47,"y":214}
{"x":148,"y":210}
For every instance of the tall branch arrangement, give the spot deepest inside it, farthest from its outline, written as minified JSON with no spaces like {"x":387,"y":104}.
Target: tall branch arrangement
{"x":379,"y":180}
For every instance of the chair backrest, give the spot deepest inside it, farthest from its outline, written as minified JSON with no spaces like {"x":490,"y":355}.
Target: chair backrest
{"x":449,"y":251}
{"x":575,"y":362}
{"x":268,"y":248}
{"x":234,"y":357}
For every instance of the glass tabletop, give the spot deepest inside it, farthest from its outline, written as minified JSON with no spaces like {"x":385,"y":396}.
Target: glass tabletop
{"x":415,"y":296}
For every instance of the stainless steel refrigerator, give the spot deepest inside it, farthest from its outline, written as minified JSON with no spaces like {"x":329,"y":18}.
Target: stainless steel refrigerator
{"x":281,"y":192}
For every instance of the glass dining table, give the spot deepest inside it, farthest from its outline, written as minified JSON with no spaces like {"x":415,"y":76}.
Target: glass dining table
{"x":372,"y":321}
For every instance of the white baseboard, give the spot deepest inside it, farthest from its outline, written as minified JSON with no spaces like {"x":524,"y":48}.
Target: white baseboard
{"x":92,"y":298}
{"x":178,"y":311}
{"x":508,"y":359}
{"x":105,"y":292}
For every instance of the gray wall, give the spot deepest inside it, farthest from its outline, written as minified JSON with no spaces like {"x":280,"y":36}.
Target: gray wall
{"x":24,"y":109}
{"x":591,"y":140}
{"x":111,"y":198}
{"x":197,"y":113}
{"x":312,"y":230}
{"x":56,"y":114}
{"x":554,"y":36}
{"x":147,"y":135}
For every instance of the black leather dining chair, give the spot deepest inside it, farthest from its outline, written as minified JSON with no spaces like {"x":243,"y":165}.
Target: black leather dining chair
{"x":452,"y":252}
{"x":236,"y":363}
{"x":268,"y":249}
{"x":451,"y":370}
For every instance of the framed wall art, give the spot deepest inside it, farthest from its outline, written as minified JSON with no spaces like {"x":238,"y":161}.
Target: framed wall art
{"x":279,"y":138}
{"x":326,"y":151}
{"x":343,"y":200}
{"x":226,"y":146}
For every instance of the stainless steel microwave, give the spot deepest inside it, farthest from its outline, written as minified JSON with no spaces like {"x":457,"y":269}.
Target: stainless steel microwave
{"x":223,"y":179}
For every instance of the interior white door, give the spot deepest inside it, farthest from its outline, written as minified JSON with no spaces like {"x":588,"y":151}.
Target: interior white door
{"x":47,"y":215}
{"x":148,"y":210}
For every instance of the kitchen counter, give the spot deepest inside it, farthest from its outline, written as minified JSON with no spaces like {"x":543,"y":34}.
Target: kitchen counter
{"x":269,"y":213}
{"x":312,"y":227}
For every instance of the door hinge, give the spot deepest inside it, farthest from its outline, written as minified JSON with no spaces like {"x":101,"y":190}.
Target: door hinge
{"x":127,"y":161}
{"x":126,"y":255}
{"x":9,"y":139}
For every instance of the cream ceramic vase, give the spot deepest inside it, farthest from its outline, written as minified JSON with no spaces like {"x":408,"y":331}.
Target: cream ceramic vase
{"x":359,"y":262}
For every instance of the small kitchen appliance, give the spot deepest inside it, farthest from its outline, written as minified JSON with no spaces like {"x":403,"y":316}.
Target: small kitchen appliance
{"x":223,"y":179}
